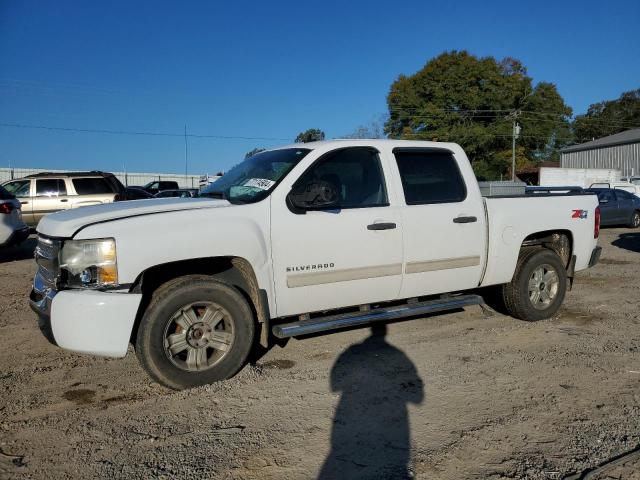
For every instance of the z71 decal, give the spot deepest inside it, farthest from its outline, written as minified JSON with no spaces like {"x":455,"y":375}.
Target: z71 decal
{"x":579,"y":214}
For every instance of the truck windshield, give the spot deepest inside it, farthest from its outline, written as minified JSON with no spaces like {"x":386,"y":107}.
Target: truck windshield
{"x":255,"y":178}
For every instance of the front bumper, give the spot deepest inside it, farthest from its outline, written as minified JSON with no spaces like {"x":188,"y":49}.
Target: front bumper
{"x":86,"y":321}
{"x":595,"y":256}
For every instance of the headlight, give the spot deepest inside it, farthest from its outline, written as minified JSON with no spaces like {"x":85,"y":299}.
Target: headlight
{"x":89,"y":263}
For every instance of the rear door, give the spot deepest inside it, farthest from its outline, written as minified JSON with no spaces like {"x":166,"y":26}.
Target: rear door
{"x":625,"y":204}
{"x":444,"y":228}
{"x":50,"y":196}
{"x":91,"y":191}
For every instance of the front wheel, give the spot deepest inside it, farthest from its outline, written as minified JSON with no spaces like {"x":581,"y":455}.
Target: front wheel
{"x":195,"y":331}
{"x":635,"y":220}
{"x":538,"y":286}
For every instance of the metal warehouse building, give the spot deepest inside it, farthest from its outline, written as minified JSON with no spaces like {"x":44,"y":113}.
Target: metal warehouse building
{"x":620,"y":151}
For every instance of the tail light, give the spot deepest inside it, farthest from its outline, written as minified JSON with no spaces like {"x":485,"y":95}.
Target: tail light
{"x":7,"y":208}
{"x":596,"y":224}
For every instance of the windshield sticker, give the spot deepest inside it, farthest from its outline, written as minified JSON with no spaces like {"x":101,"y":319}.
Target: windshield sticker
{"x":261,"y":183}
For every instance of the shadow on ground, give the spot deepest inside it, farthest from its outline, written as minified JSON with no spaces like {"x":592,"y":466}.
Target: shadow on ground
{"x":23,"y":251}
{"x":371,"y":435}
{"x":628,"y":241}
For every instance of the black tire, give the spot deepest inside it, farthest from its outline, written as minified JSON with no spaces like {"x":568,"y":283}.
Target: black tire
{"x":184,"y":294}
{"x":516,"y":294}
{"x":635,"y":220}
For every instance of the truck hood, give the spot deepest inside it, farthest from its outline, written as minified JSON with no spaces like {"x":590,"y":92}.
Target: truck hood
{"x":68,"y":222}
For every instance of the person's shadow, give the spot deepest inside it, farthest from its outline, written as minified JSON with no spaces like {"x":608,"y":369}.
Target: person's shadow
{"x":371,"y":436}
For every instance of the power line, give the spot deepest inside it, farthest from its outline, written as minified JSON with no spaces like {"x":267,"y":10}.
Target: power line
{"x":140,"y":133}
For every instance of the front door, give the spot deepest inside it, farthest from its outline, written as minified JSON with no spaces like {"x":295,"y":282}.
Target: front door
{"x":346,"y":256}
{"x":444,"y":224}
{"x":609,"y":211}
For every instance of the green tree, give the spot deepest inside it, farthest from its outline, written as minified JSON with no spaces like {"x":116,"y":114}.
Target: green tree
{"x":608,"y":117}
{"x":473,"y":101}
{"x":253,"y":152}
{"x":374,"y":129}
{"x":311,"y":135}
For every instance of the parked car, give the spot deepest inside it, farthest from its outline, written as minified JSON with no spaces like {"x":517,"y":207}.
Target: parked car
{"x":618,"y":207}
{"x":45,"y":193}
{"x":180,"y":193}
{"x":12,"y":229}
{"x":134,"y":193}
{"x":626,"y":186}
{"x":158,"y":186}
{"x":632,"y":179}
{"x":299,"y":240}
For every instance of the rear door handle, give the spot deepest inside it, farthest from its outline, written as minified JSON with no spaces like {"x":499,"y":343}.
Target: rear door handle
{"x":465,"y":220}
{"x":24,"y":203}
{"x":381,"y":226}
{"x":64,"y":200}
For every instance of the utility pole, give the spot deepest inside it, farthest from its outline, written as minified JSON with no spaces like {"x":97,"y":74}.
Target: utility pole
{"x":186,"y":155}
{"x":514,"y":135}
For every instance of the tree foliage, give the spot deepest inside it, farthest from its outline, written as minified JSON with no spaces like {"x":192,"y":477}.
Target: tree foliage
{"x":310,"y":135}
{"x":251,"y":153}
{"x":473,"y":101}
{"x":608,"y":117}
{"x":374,"y":129}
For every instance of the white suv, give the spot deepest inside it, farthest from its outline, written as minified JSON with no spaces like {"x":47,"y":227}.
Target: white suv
{"x":12,"y":229}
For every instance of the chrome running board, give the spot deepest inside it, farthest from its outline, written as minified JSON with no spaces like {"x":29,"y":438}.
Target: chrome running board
{"x":334,"y":322}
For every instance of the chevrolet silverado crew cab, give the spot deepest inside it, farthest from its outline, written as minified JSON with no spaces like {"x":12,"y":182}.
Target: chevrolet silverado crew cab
{"x":299,"y":240}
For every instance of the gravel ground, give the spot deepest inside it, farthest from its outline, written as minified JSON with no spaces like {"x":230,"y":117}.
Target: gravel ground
{"x":462,"y":395}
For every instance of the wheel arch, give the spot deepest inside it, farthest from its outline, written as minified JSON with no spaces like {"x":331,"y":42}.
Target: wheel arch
{"x":560,"y":241}
{"x":231,"y":270}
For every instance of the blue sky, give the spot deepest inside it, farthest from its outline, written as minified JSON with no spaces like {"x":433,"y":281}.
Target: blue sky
{"x":266,"y":69}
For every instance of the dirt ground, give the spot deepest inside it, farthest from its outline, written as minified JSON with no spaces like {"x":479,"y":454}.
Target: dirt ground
{"x":451,"y":396}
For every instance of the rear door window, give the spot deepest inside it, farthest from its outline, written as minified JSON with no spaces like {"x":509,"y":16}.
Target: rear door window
{"x":50,"y":187}
{"x":91,"y":186}
{"x":430,"y":176}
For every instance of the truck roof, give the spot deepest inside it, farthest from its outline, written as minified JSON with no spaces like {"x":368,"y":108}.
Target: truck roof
{"x":373,"y":142}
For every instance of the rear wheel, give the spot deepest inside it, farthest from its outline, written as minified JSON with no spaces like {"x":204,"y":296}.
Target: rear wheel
{"x":538,"y":286}
{"x":195,"y":331}
{"x":635,"y":220}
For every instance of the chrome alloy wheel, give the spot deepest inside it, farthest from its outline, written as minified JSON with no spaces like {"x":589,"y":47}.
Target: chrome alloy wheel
{"x":198,"y":336}
{"x":543,"y":286}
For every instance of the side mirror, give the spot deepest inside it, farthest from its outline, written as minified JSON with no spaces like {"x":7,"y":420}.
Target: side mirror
{"x":315,"y":195}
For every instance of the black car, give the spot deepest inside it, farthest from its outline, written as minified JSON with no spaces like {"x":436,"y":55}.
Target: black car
{"x":134,"y":193}
{"x":158,"y":186}
{"x":617,"y":207}
{"x":179,"y":192}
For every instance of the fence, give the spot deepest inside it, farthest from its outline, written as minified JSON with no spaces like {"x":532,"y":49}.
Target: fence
{"x":127,"y":178}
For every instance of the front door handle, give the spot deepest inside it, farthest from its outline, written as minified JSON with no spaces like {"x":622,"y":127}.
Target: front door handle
{"x":381,"y":226}
{"x":64,"y":200}
{"x":465,"y":220}
{"x":24,"y":203}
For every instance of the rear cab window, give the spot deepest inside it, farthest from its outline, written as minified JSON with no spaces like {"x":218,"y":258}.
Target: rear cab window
{"x":92,"y":186}
{"x":430,"y":176}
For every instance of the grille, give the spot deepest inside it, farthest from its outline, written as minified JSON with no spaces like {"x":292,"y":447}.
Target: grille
{"x":47,"y":259}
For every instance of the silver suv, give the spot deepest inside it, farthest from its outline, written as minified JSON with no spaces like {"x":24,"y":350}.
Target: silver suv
{"x":45,"y":193}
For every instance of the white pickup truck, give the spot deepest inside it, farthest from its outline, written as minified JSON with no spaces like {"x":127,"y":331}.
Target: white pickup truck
{"x":299,"y":240}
